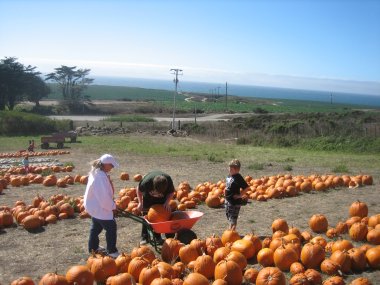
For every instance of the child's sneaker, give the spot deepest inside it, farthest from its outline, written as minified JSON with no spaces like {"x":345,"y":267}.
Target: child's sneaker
{"x":143,"y":241}
{"x":100,"y":250}
{"x":114,"y":254}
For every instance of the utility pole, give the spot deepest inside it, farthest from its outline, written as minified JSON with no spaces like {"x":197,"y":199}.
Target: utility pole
{"x":176,"y":72}
{"x":331,"y":98}
{"x":226,"y":96}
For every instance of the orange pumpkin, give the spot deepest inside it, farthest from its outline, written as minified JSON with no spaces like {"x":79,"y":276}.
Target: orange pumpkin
{"x":23,"y":281}
{"x":158,"y":213}
{"x":318,"y":223}
{"x":195,"y":279}
{"x":80,"y":275}
{"x":53,"y":279}
{"x":230,"y":271}
{"x":270,"y":276}
{"x":359,"y":209}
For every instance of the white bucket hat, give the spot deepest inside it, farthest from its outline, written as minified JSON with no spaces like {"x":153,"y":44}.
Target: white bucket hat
{"x":109,"y":159}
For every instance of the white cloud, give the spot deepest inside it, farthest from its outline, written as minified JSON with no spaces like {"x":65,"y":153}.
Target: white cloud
{"x":204,"y":74}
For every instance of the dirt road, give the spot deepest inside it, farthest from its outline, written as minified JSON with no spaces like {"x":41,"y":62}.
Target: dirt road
{"x":199,"y":118}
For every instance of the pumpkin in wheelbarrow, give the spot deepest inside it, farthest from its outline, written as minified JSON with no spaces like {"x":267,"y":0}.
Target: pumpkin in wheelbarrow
{"x":178,"y":215}
{"x":157,"y":213}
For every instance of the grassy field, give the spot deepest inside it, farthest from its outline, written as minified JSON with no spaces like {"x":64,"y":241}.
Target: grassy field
{"x":163,"y":99}
{"x":255,"y":158}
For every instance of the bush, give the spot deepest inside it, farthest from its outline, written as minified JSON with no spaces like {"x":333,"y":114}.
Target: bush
{"x":288,"y":167}
{"x":340,"y":169}
{"x":19,"y":123}
{"x":256,"y":166}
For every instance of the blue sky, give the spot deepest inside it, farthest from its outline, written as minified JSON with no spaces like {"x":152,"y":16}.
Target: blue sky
{"x":329,"y":45}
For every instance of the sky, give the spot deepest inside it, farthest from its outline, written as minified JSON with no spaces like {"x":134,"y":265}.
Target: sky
{"x":331,"y":45}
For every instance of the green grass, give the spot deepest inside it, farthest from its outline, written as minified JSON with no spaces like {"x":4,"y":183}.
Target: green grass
{"x":129,"y":118}
{"x":288,"y":167}
{"x":104,"y":92}
{"x":164,"y":99}
{"x":217,"y":152}
{"x":256,"y":166}
{"x":342,"y":168}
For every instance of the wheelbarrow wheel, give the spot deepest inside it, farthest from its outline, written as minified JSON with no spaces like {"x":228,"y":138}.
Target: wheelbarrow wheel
{"x":186,"y":236}
{"x":169,"y":235}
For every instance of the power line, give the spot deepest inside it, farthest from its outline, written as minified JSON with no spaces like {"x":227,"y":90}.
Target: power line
{"x":177,"y":72}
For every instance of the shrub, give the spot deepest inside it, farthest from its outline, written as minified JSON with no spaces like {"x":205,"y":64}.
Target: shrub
{"x":288,"y":167}
{"x":342,"y":168}
{"x":19,"y":123}
{"x":256,"y":166}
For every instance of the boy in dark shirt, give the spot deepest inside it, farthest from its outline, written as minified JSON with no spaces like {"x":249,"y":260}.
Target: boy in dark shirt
{"x":155,"y":188}
{"x":233,"y":197}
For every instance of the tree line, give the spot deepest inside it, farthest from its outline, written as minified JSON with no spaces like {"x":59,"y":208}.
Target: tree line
{"x":19,"y":83}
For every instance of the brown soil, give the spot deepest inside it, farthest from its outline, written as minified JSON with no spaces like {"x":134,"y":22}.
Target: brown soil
{"x":59,"y":246}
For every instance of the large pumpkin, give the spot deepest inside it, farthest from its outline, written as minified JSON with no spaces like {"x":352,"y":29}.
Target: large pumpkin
{"x":6,"y":219}
{"x":188,"y":253}
{"x":122,"y":262}
{"x":195,"y":279}
{"x":280,"y":225}
{"x":230,"y":271}
{"x":284,"y":257}
{"x":318,"y":223}
{"x":373,"y":236}
{"x":205,"y":265}
{"x":31,"y":222}
{"x":53,"y":279}
{"x":170,"y":249}
{"x":121,"y":278}
{"x":358,"y":231}
{"x":373,"y":257}
{"x":80,"y":275}
{"x":265,"y":257}
{"x":359,"y":209}
{"x":23,"y":281}
{"x":136,"y":265}
{"x":270,"y":276}
{"x":245,"y":247}
{"x":358,"y":261}
{"x":148,"y":274}
{"x":158,"y":213}
{"x":361,"y":281}
{"x":312,"y":255}
{"x":229,"y":236}
{"x":102,"y":268}
{"x":343,"y":259}
{"x":239,"y":258}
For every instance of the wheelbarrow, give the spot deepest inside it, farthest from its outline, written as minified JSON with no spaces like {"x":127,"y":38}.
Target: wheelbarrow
{"x":181,"y":229}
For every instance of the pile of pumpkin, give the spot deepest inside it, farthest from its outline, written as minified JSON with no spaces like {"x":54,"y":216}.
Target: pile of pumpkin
{"x":272,"y":187}
{"x":31,"y":154}
{"x":229,"y":259}
{"x":49,"y":180}
{"x":38,"y":169}
{"x":127,"y":199}
{"x":42,"y":212}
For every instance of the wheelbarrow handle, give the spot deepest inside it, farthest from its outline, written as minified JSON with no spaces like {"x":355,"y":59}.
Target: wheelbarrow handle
{"x":134,"y":217}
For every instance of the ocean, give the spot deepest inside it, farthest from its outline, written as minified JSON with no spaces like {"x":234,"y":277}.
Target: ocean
{"x":244,"y":90}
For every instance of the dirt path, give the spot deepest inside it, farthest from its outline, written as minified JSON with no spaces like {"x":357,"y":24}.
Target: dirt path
{"x":200,"y":118}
